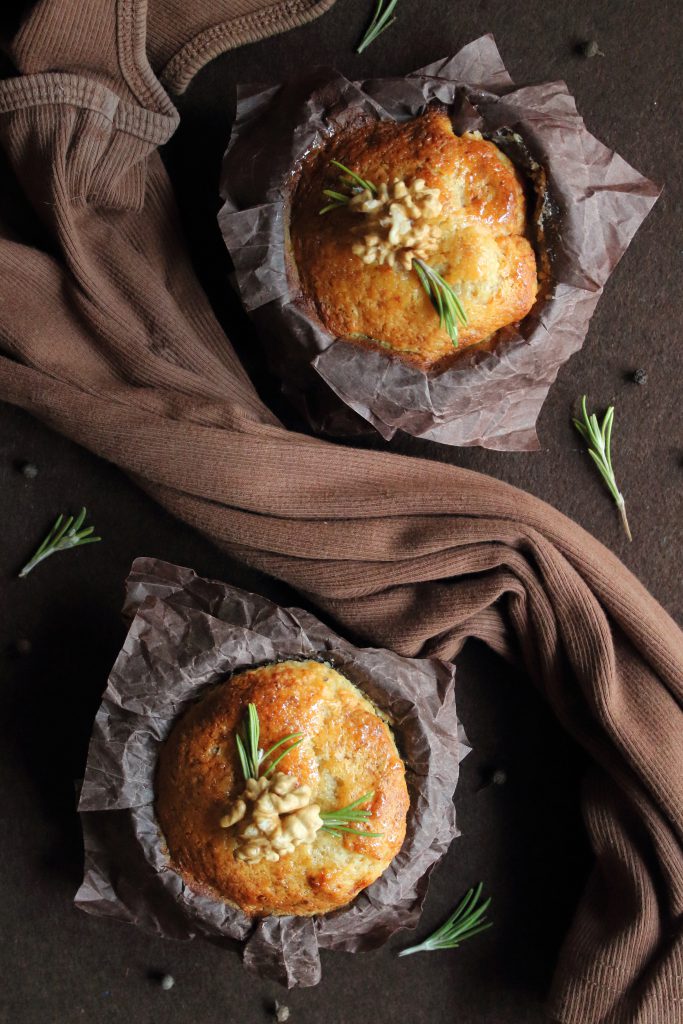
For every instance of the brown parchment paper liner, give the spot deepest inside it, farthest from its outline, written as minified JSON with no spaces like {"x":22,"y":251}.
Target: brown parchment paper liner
{"x":486,"y":398}
{"x":188,"y":633}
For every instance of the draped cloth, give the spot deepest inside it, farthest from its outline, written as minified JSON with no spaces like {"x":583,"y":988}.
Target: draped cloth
{"x":107,"y":337}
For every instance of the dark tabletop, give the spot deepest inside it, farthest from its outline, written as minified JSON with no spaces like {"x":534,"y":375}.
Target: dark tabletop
{"x":523,"y":839}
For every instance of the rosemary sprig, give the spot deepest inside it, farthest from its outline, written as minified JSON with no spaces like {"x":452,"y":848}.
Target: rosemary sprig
{"x":296,"y":736}
{"x":381,"y":21}
{"x":351,"y":180}
{"x":247,"y":743}
{"x":338,"y":199}
{"x":598,"y":437}
{"x":66,"y":533}
{"x":247,"y":739}
{"x":341,"y":820}
{"x":466,"y":920}
{"x":443,"y":298}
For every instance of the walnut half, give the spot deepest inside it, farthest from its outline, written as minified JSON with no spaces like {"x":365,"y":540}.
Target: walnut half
{"x":272,"y":817}
{"x":399,"y":225}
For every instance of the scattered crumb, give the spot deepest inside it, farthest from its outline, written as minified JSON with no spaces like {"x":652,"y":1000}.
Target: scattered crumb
{"x":281,"y":1012}
{"x":167,"y":982}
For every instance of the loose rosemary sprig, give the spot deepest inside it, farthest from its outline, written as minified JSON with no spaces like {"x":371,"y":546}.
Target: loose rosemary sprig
{"x":251,"y":758}
{"x":466,"y":920}
{"x":349,"y":179}
{"x":66,"y":533}
{"x":443,"y":298}
{"x":381,"y":21}
{"x":336,"y":822}
{"x":598,"y":437}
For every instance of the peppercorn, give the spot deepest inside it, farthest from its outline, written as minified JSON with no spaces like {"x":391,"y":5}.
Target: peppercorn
{"x":20,"y":647}
{"x":492,"y":777}
{"x":589,"y":48}
{"x":640,"y":377}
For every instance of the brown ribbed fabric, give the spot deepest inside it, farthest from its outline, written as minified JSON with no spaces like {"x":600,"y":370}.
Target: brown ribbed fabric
{"x":182,"y":35}
{"x":109,"y":339}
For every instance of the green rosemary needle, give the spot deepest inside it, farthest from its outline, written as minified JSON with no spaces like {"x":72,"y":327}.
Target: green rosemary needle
{"x":381,"y":21}
{"x":247,"y":739}
{"x":297,"y":738}
{"x":341,"y":820}
{"x":466,"y":920}
{"x":247,"y":743}
{"x":351,"y":180}
{"x":598,"y":437}
{"x":66,"y":533}
{"x":443,"y":298}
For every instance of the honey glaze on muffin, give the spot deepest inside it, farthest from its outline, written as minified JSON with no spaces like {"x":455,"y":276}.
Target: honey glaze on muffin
{"x":456,"y":202}
{"x":261,"y":844}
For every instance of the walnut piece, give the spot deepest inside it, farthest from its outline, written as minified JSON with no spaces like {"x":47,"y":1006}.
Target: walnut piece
{"x":398,"y":228}
{"x":273,"y":816}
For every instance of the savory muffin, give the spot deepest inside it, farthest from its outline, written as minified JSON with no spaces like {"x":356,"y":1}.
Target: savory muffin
{"x":453,"y":203}
{"x":269,"y":837}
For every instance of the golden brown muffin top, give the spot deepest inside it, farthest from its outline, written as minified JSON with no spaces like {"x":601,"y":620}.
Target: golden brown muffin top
{"x":481,"y":251}
{"x":347,"y":751}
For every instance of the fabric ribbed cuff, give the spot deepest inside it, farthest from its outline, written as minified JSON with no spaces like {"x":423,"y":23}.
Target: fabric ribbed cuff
{"x":179,"y":70}
{"x":62,"y":88}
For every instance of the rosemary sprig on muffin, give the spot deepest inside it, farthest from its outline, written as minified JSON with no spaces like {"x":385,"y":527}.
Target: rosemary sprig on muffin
{"x":251,"y":758}
{"x":381,"y":21}
{"x":444,"y":299}
{"x":348,"y":179}
{"x":466,"y":920}
{"x":598,"y":437}
{"x":336,"y":822}
{"x":65,"y":534}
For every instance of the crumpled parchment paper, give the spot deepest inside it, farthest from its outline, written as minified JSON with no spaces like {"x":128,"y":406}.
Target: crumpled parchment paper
{"x":186,"y":634}
{"x":595,"y":204}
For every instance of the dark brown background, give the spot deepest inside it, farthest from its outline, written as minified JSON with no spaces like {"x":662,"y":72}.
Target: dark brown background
{"x":524,"y":839}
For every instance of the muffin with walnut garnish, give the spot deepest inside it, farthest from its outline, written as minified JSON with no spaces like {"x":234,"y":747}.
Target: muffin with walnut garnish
{"x":411,"y":239}
{"x":282,"y":792}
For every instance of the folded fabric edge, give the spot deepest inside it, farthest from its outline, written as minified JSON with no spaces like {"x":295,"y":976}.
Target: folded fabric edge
{"x":228,"y":35}
{"x":67,"y":89}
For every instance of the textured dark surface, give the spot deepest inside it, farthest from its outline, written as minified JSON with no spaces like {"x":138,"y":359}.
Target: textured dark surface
{"x":523,"y":839}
